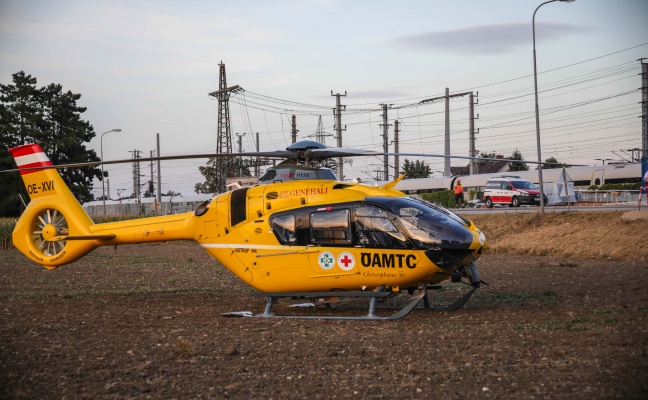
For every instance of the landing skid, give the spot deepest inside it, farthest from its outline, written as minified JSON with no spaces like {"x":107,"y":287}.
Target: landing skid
{"x":380,"y":293}
{"x":451,"y":307}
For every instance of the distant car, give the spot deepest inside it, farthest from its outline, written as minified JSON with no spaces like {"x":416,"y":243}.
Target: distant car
{"x":511,"y":190}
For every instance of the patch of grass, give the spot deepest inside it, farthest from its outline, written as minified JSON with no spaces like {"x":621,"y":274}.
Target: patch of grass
{"x":572,"y":325}
{"x":564,"y":326}
{"x":7,"y":226}
{"x":616,"y":310}
{"x":498,"y":299}
{"x":184,"y":347}
{"x":439,"y":323}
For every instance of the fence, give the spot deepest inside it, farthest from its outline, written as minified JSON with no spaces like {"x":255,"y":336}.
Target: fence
{"x":140,"y":208}
{"x":602,"y":197}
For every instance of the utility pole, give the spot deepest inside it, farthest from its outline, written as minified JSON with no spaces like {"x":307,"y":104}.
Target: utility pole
{"x":473,"y":152}
{"x":224,"y":133}
{"x":385,"y":127}
{"x":136,"y":175}
{"x":159,"y":175}
{"x":447,"y":97}
{"x":396,"y":158}
{"x":151,"y":188}
{"x":644,"y":110}
{"x":294,"y":129}
{"x":337,"y":112}
{"x":446,"y":161}
{"x":256,"y":164}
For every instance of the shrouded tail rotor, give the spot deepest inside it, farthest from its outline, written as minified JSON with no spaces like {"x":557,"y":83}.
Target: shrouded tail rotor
{"x":49,"y":224}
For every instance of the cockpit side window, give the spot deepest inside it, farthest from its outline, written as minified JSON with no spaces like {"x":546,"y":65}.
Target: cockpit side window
{"x":330,"y":227}
{"x":283,"y":227}
{"x":374,"y":228}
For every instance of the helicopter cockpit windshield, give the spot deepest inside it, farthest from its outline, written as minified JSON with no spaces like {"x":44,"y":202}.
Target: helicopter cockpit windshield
{"x":284,"y":173}
{"x":427,"y":225}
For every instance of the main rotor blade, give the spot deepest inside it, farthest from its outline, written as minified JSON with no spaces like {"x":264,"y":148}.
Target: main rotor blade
{"x":270,"y":154}
{"x":478,"y":158}
{"x":312,"y":153}
{"x":331,"y":152}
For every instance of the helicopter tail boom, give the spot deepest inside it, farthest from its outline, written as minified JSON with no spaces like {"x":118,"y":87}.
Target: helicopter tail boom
{"x":55,"y":230}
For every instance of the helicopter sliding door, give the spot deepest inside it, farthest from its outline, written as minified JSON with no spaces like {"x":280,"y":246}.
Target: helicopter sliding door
{"x":330,"y":232}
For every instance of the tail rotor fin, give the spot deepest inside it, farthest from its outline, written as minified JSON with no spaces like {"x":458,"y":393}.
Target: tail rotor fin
{"x":52,"y":214}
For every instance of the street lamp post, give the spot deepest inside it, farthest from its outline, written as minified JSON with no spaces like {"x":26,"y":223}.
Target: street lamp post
{"x":103,"y":190}
{"x":537,"y":113}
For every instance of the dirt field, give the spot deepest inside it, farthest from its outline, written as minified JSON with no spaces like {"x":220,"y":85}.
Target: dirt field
{"x":145,"y":322}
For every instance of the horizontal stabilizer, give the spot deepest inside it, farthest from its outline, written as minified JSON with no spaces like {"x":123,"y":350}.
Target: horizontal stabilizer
{"x":82,"y":237}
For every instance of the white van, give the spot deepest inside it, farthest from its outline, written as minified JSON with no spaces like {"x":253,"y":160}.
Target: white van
{"x":511,"y":190}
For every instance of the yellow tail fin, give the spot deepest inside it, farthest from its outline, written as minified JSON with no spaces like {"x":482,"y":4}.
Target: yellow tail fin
{"x":52,"y":212}
{"x":55,"y":229}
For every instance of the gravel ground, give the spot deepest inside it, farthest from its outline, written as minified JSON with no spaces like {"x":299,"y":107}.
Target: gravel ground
{"x":145,"y":322}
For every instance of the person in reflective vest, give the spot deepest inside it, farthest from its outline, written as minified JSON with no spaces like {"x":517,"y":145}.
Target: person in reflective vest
{"x":459,"y":194}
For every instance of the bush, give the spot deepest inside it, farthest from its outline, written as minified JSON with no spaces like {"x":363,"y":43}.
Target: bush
{"x":475,"y":194}
{"x":444,"y":198}
{"x":6,"y":227}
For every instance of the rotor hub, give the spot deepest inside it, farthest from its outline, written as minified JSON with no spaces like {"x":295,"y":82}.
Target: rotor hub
{"x":49,"y":231}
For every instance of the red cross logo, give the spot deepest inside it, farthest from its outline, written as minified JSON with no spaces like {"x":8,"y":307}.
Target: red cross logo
{"x":346,"y":261}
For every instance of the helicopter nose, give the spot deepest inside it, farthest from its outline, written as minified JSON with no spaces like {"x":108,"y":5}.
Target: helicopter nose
{"x":449,"y":258}
{"x":454,"y":250}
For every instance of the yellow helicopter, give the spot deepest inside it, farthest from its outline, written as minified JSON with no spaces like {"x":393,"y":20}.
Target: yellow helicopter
{"x":300,"y":233}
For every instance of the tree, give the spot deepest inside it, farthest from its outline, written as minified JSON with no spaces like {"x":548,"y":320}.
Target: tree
{"x":486,"y":155}
{"x":553,"y":164}
{"x":417,"y":169}
{"x":62,"y":137}
{"x":18,"y":115}
{"x":517,"y":166}
{"x":50,"y":117}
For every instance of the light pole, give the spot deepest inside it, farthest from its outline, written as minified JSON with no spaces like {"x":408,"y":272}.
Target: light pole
{"x":103,"y":191}
{"x":537,"y":113}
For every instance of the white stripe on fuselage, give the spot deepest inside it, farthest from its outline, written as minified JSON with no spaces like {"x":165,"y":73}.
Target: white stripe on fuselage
{"x":242,"y":246}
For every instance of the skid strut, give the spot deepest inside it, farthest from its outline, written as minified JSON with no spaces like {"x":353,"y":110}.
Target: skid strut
{"x":380,"y":293}
{"x":469,"y":271}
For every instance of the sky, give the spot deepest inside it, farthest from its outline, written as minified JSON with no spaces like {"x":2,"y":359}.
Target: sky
{"x":146,"y":67}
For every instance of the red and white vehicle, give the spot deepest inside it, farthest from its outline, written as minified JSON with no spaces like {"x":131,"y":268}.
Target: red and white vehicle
{"x":511,"y":190}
